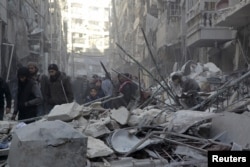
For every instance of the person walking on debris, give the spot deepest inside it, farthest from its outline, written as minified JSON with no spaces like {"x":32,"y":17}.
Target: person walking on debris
{"x":42,"y":81}
{"x":190,"y":89}
{"x":59,"y":87}
{"x":129,"y":91}
{"x":28,"y":97}
{"x":5,"y":95}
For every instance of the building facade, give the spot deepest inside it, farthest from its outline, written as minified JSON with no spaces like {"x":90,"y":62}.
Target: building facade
{"x":177,"y":30}
{"x":30,"y":31}
{"x":88,"y":32}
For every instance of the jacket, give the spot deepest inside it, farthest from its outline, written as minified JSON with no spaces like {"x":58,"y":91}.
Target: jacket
{"x":59,"y":91}
{"x":28,"y":97}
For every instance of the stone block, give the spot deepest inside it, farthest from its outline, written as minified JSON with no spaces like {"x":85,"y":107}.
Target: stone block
{"x":65,"y":112}
{"x":51,"y":143}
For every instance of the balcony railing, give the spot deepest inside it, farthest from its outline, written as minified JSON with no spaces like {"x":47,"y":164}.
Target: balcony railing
{"x":203,"y":19}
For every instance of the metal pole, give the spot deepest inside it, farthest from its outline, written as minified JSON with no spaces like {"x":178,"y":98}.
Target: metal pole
{"x":169,"y":91}
{"x":151,"y":75}
{"x":10,"y":60}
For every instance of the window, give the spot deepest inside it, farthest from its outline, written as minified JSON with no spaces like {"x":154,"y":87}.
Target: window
{"x":209,"y":6}
{"x":174,"y":9}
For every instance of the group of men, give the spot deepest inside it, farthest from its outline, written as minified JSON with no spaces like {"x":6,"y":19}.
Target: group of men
{"x":37,"y":93}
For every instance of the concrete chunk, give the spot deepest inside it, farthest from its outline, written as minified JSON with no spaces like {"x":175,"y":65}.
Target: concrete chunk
{"x":236,"y":125}
{"x":97,"y":148}
{"x":120,"y":115}
{"x":65,"y":112}
{"x":182,"y":120}
{"x":98,"y":127}
{"x":5,"y":126}
{"x":51,"y":143}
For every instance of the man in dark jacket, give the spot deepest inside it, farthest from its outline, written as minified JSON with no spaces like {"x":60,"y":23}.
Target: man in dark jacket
{"x":59,"y":87}
{"x":128,"y":89}
{"x":4,"y":92}
{"x":190,"y":89}
{"x":28,"y":96}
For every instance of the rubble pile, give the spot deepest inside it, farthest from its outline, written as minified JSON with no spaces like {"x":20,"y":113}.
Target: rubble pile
{"x":155,"y":135}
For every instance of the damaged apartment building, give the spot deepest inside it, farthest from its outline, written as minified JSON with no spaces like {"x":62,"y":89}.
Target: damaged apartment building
{"x":177,"y":31}
{"x":30,"y":30}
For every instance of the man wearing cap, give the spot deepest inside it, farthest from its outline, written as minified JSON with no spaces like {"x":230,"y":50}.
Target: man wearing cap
{"x":59,"y":87}
{"x":28,"y":96}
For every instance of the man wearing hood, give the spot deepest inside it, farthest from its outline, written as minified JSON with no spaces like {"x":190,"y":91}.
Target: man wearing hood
{"x":28,"y":96}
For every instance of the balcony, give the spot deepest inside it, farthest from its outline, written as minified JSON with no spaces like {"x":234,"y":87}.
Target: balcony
{"x":235,"y":16}
{"x":201,"y":31}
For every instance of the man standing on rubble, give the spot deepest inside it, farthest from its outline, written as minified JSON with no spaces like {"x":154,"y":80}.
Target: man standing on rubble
{"x":28,"y":96}
{"x":190,"y":89}
{"x":42,"y":81}
{"x":4,"y":94}
{"x":129,"y":91}
{"x":59,"y":87}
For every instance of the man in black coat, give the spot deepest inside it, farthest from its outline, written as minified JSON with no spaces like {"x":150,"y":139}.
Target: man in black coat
{"x":5,"y":95}
{"x":28,"y":97}
{"x":59,"y":88}
{"x":190,"y":89}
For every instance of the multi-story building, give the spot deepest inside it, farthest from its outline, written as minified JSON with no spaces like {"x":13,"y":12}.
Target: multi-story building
{"x":57,"y":34}
{"x":88,"y":32}
{"x":130,"y":18}
{"x":177,"y":31}
{"x":32,"y":31}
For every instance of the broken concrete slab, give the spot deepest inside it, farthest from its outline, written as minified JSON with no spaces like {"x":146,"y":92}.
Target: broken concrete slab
{"x":121,"y":115}
{"x":50,"y":143}
{"x":65,"y":112}
{"x":236,"y":125}
{"x":182,"y":120}
{"x":97,"y":148}
{"x":79,"y":122}
{"x":97,"y":128}
{"x":153,"y":115}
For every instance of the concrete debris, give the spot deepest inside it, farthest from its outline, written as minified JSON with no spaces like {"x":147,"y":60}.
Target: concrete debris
{"x":97,"y":148}
{"x":155,"y":116}
{"x":79,"y":123}
{"x":189,"y":152}
{"x":156,"y":134}
{"x":182,"y":120}
{"x":6,"y":126}
{"x":120,"y":115}
{"x":97,"y":128}
{"x":65,"y":112}
{"x":236,"y":125}
{"x":51,"y":143}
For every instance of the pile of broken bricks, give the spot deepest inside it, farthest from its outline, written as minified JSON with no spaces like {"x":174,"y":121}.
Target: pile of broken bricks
{"x":156,"y":135}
